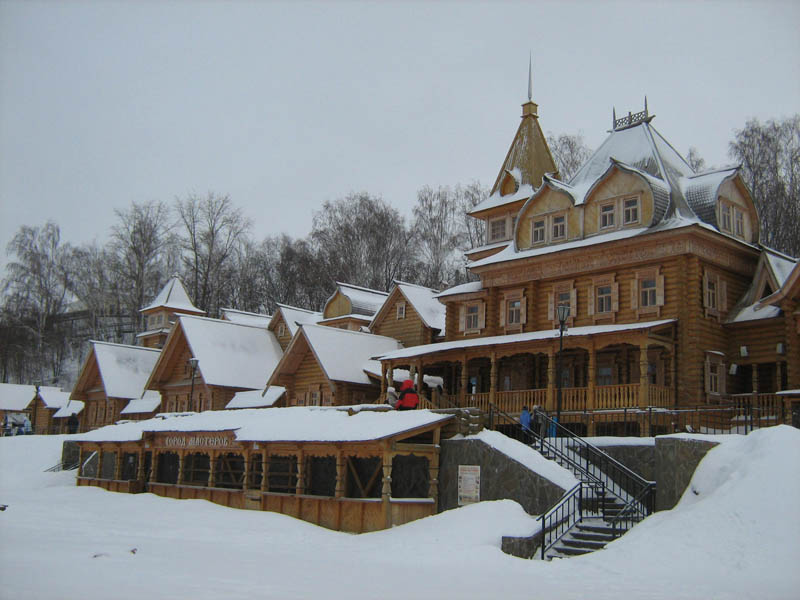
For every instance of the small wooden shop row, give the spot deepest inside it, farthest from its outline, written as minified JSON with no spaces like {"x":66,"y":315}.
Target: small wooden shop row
{"x":348,"y":486}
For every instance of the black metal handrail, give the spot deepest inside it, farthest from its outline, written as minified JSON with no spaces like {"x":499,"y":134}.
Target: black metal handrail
{"x":61,"y":466}
{"x":634,"y":512}
{"x":559,"y":519}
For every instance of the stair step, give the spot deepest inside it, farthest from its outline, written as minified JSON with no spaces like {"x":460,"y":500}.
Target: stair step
{"x":593,"y":536}
{"x":604,"y":529}
{"x":583,"y":544}
{"x":567,"y":550}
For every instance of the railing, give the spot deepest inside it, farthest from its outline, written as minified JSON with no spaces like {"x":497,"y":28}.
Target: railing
{"x":61,"y":466}
{"x":513,"y":401}
{"x":659,"y":395}
{"x":559,"y":519}
{"x":480,"y":401}
{"x":573,"y":398}
{"x":633,"y":513}
{"x":615,"y":396}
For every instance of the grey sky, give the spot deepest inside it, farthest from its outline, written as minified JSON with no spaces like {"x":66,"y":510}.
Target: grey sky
{"x":283,"y":106}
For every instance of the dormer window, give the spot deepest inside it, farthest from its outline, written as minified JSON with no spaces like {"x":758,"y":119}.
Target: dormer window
{"x":537,"y":231}
{"x":401,"y":310}
{"x":281,"y":330}
{"x":738,"y":223}
{"x":725,"y":211}
{"x":559,"y":227}
{"x":630,"y":211}
{"x":607,"y":213}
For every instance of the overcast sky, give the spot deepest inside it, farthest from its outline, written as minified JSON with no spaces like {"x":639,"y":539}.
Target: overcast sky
{"x":283,"y":106}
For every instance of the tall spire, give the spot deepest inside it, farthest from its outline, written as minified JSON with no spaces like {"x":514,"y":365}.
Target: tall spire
{"x":530,"y":78}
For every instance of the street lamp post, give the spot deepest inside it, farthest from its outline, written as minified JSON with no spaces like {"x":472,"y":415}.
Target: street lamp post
{"x":193,"y":363}
{"x":563,"y":315}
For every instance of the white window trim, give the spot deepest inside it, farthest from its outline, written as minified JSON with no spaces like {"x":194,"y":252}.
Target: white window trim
{"x":613,"y":214}
{"x":638,"y":220}
{"x":543,"y":221}
{"x":401,"y":310}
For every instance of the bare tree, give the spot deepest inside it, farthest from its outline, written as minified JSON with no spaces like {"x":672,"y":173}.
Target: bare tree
{"x":139,"y":246}
{"x":473,"y":231}
{"x":212,"y":231}
{"x":695,"y":161}
{"x":770,"y":157}
{"x":569,"y":152}
{"x":436,"y":230}
{"x":362,"y":240}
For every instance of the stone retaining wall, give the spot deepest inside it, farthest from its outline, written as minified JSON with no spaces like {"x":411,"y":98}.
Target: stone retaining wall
{"x":675,"y":462}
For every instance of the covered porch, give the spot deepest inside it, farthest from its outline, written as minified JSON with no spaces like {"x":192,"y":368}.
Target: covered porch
{"x":607,"y":367}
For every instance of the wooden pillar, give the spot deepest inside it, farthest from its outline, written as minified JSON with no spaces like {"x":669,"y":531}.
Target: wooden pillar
{"x":592,"y":376}
{"x":264,"y":470}
{"x":212,"y":469}
{"x":100,"y":454}
{"x":493,"y":379}
{"x":383,"y":380}
{"x":386,"y":488}
{"x":300,"y":488}
{"x":140,"y":466}
{"x":673,"y":376}
{"x":644,"y":384}
{"x":434,"y":469}
{"x":420,"y":377}
{"x":341,"y":474}
{"x":118,"y":465}
{"x":181,"y":455}
{"x":754,"y":366}
{"x":246,"y":474}
{"x":551,"y":381}
{"x":462,"y":394}
{"x":153,"y":466}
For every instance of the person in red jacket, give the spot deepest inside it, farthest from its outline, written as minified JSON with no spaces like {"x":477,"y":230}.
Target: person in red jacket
{"x":408,"y":398}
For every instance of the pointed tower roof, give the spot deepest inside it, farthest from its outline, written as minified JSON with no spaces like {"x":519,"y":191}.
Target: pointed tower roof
{"x":173,"y":296}
{"x":527,"y":160}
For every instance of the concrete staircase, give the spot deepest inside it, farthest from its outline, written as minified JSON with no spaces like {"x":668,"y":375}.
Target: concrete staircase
{"x":587,"y":536}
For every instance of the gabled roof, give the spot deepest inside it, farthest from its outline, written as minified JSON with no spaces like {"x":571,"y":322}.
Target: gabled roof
{"x":173,"y":296}
{"x":229,"y":354}
{"x":245,"y":318}
{"x":257,"y":398}
{"x":17,"y":396}
{"x":53,"y":398}
{"x":72,"y":407}
{"x":294,"y":317}
{"x":465,"y":288}
{"x":527,"y":160}
{"x":342,"y":354}
{"x":123,"y":369}
{"x":422,"y":299}
{"x":363,"y":301}
{"x":773,"y":268}
{"x":295,"y":424}
{"x":148,"y":403}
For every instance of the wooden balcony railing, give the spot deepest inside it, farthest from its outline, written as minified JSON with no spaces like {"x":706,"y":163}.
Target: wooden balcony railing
{"x":513,"y":401}
{"x":480,"y":401}
{"x":659,"y":395}
{"x":615,"y":396}
{"x":573,"y":398}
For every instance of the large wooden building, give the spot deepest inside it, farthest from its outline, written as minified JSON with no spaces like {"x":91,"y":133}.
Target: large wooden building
{"x":654,"y":262}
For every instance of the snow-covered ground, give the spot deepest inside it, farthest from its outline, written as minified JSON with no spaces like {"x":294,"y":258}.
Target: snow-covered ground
{"x":735,"y":534}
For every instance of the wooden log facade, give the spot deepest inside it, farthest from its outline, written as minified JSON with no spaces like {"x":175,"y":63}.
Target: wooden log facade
{"x":354,"y":486}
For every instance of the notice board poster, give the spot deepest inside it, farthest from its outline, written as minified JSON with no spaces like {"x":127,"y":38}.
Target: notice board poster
{"x":469,"y":484}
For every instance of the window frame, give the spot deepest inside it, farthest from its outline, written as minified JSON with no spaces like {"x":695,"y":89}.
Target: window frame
{"x":400,"y":308}
{"x":715,"y":293}
{"x":568,"y":289}
{"x":596,"y":301}
{"x":513,"y":318}
{"x":538,"y":232}
{"x":636,"y":207}
{"x":497,"y":238}
{"x":606,"y":216}
{"x":553,"y":236}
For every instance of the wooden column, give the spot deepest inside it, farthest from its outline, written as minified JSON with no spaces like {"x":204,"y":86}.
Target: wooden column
{"x":673,"y":376}
{"x":551,"y":381}
{"x":181,"y":455}
{"x":264,"y":470}
{"x":118,"y":465}
{"x":341,"y":474}
{"x":140,"y":466}
{"x":462,"y":393}
{"x":434,"y":469}
{"x":383,"y":380}
{"x":386,"y":488}
{"x":100,"y":454}
{"x":153,"y":466}
{"x":420,"y":377}
{"x":246,"y":474}
{"x":754,"y":367}
{"x":300,"y":488}
{"x":212,"y":469}
{"x":493,"y":379}
{"x":592,"y":377}
{"x":644,"y":384}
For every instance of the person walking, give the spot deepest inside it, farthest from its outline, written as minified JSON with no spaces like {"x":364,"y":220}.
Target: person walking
{"x":408,"y":398}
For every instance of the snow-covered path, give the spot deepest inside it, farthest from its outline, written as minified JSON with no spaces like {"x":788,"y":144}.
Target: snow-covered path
{"x":737,"y":537}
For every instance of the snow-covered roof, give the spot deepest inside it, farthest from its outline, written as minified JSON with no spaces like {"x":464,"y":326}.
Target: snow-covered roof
{"x":173,"y":295}
{"x":780,"y":264}
{"x":73,"y":407}
{"x":344,"y":354}
{"x":356,"y":317}
{"x":257,"y":398}
{"x":53,"y":397}
{"x":491,"y":246}
{"x":146,"y":404}
{"x":245,"y":318}
{"x":295,"y":424}
{"x":423,"y":301}
{"x":701,"y":192}
{"x":465,"y":288}
{"x":754,"y":312}
{"x":524,"y":192}
{"x":294,"y":317}
{"x":17,"y":396}
{"x":363,"y":301}
{"x":497,"y":340}
{"x":231,"y":354}
{"x":124,"y":369}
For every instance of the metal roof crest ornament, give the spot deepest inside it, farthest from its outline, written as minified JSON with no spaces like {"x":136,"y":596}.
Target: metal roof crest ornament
{"x":631,"y":119}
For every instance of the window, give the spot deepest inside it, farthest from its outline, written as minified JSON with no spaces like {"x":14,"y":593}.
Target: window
{"x":497,"y":229}
{"x":605,"y":376}
{"x":559,"y":227}
{"x":472,"y":317}
{"x":401,"y":310}
{"x":537,"y":232}
{"x":563,"y":294}
{"x":715,"y":293}
{"x":607,"y":212}
{"x":738,"y":223}
{"x":630,"y":211}
{"x":604,"y":299}
{"x":648,"y":290}
{"x":715,"y":373}
{"x":725,"y":211}
{"x":514,"y":311}
{"x":281,"y":330}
